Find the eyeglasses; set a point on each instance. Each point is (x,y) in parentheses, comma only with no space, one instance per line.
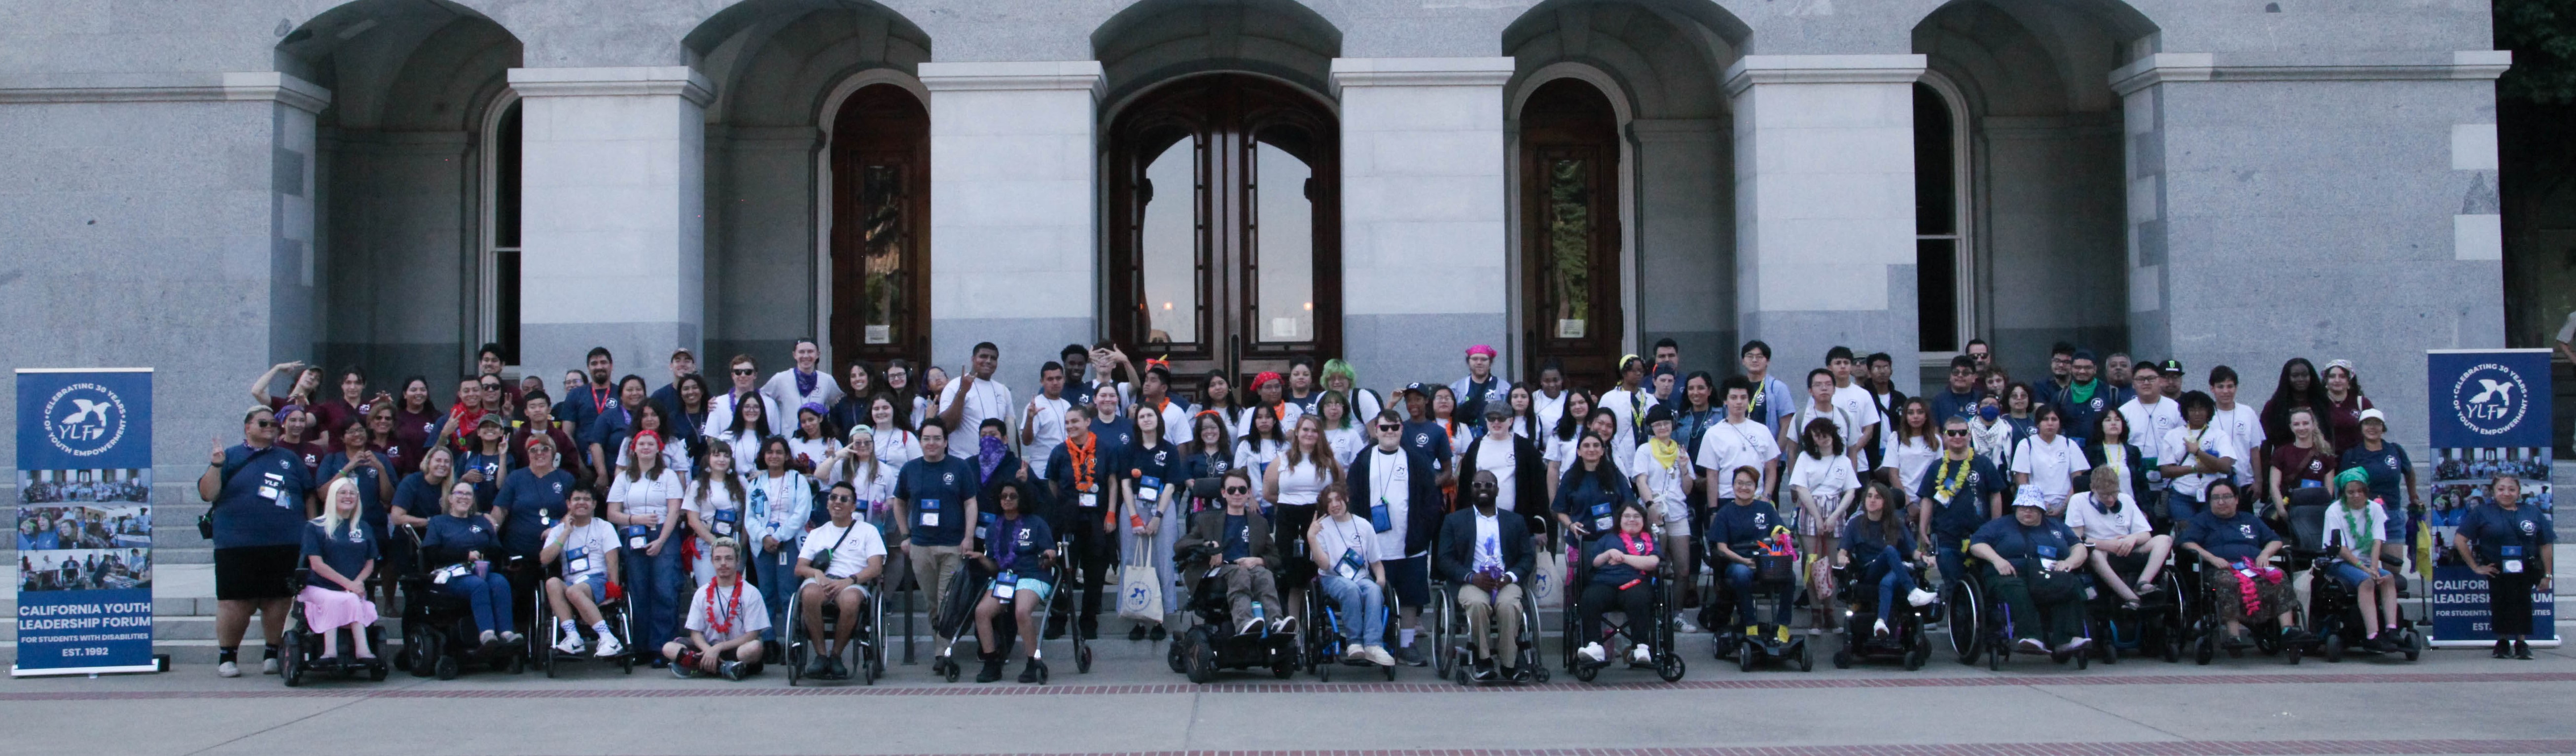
(840,499)
(1237,490)
(1954,433)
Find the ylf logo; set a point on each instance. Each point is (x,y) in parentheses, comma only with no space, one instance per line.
(2490,398)
(84,419)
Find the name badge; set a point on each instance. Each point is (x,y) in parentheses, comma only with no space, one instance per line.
(577,561)
(2513,566)
(1004,585)
(2511,551)
(2047,551)
(929,513)
(1090,499)
(447,573)
(272,488)
(1601,516)
(638,536)
(2310,484)
(725,520)
(1149,488)
(1350,565)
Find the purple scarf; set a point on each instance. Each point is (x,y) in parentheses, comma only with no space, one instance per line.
(989,455)
(805,381)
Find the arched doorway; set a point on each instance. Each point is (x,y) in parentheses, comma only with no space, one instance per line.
(1570,266)
(880,240)
(1225,235)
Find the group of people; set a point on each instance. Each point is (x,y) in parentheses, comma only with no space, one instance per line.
(84,488)
(91,571)
(689,489)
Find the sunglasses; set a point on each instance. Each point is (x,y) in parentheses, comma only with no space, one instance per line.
(1953,433)
(264,423)
(744,371)
(1389,428)
(1237,490)
(840,499)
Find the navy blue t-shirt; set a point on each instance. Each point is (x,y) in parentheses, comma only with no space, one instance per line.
(1946,405)
(2010,539)
(2387,468)
(937,492)
(1739,524)
(374,509)
(418,497)
(1865,539)
(1430,439)
(1019,543)
(347,550)
(261,502)
(534,503)
(1114,436)
(2490,529)
(1161,463)
(1972,486)
(448,538)
(2233,538)
(1238,537)
(1615,574)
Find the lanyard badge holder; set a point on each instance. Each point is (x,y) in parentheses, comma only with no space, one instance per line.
(272,487)
(929,516)
(726,521)
(1004,585)
(1090,497)
(1379,517)
(1149,489)
(447,573)
(984,525)
(577,561)
(2512,559)
(1350,565)
(639,536)
(1601,516)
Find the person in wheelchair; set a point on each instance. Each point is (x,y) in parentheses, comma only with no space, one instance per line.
(1485,553)
(2123,542)
(1348,567)
(340,552)
(1733,531)
(2354,524)
(584,544)
(458,538)
(1877,544)
(2029,548)
(2235,547)
(837,562)
(1244,554)
(1621,560)
(724,637)
(1019,551)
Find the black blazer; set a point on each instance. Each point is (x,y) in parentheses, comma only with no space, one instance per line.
(1423,505)
(2137,468)
(1529,473)
(1456,558)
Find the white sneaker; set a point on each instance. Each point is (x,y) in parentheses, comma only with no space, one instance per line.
(1283,625)
(1354,652)
(1920,597)
(1687,626)
(1878,628)
(1250,625)
(228,669)
(571,645)
(1593,652)
(1377,655)
(609,648)
(268,666)
(1641,654)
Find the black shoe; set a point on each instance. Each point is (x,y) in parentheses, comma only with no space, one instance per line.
(1411,657)
(992,671)
(1136,633)
(1055,626)
(832,665)
(1156,633)
(2378,644)
(1091,628)
(2522,649)
(1484,669)
(819,667)
(2503,648)
(1029,672)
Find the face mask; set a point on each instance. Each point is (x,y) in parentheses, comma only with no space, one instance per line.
(1989,412)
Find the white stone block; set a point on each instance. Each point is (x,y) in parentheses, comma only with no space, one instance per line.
(2477,237)
(1823,286)
(2473,147)
(2146,292)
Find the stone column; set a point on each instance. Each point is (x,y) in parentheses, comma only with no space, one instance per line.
(2314,206)
(1013,211)
(1685,258)
(1424,219)
(613,203)
(1824,205)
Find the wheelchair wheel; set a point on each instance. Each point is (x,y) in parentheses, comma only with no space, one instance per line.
(1806,658)
(445,667)
(1202,663)
(1745,653)
(797,652)
(2334,648)
(1082,659)
(1842,658)
(2204,650)
(1965,632)
(1669,665)
(1585,672)
(2414,644)
(1444,603)
(1178,659)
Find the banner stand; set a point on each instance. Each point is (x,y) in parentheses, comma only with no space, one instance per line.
(84,523)
(2490,416)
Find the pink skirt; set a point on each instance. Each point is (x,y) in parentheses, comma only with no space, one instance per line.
(326,609)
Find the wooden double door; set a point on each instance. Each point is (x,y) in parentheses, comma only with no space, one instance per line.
(1225,235)
(880,239)
(1570,236)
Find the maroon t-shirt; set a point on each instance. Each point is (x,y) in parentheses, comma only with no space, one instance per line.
(2301,468)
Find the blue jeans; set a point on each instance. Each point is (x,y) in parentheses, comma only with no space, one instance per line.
(1739,577)
(2180,509)
(1362,606)
(1887,568)
(490,595)
(653,591)
(777,582)
(1953,562)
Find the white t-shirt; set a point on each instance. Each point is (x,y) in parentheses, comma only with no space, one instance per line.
(817,451)
(1256,454)
(2213,441)
(586,550)
(720,417)
(2245,425)
(746,617)
(1826,480)
(1346,443)
(675,457)
(2051,465)
(863,543)
(2085,514)
(1862,406)
(896,446)
(2151,422)
(1628,407)
(1850,424)
(1500,458)
(1549,411)
(2376,520)
(647,496)
(988,398)
(1727,446)
(1909,460)
(1048,429)
(1391,481)
(716,499)
(781,390)
(1338,536)
(1663,484)
(2567,333)
(1559,450)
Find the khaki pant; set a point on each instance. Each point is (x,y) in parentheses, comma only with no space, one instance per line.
(1481,613)
(936,567)
(1244,585)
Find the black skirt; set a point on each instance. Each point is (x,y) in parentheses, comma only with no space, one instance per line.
(2509,602)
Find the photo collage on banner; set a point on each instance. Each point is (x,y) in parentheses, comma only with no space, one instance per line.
(84,522)
(2490,417)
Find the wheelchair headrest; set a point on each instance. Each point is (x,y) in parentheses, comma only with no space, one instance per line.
(1207,488)
(2308,517)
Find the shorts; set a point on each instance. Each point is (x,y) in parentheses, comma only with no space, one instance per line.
(862,588)
(2127,567)
(1026,584)
(1815,518)
(598,588)
(256,573)
(1410,578)
(2395,532)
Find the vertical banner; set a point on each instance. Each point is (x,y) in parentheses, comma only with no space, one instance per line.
(84,522)
(2490,417)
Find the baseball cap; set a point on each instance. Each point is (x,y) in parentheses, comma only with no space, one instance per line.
(1416,388)
(2170,367)
(2374,414)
